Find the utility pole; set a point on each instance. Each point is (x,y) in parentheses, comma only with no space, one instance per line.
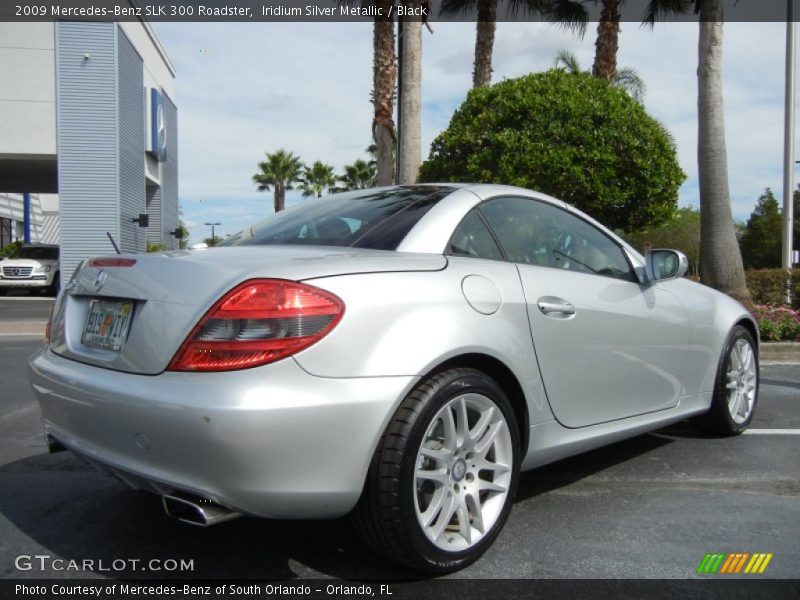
(788,153)
(213,237)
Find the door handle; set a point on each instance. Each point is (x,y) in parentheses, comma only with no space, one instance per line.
(556,307)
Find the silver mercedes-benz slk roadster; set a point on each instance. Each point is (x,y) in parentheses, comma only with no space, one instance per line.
(398,353)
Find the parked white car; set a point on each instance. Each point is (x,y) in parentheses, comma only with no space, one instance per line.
(34,268)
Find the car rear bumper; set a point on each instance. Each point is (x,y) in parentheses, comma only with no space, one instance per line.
(272,441)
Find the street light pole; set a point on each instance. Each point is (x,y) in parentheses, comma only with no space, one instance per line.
(213,236)
(788,152)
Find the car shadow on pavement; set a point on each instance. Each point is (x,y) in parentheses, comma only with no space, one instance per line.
(570,470)
(71,511)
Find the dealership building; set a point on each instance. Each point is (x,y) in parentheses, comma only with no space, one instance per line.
(88,138)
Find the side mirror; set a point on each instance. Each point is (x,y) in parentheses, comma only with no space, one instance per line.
(662,264)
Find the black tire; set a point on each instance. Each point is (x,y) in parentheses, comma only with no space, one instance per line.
(718,420)
(386,515)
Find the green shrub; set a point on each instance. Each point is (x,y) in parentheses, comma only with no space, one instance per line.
(10,250)
(155,247)
(570,135)
(767,286)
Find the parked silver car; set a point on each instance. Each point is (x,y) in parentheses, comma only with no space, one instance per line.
(399,353)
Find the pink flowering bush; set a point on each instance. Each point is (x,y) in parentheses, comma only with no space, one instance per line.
(777,323)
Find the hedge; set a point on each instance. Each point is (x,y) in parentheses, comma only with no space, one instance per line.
(767,286)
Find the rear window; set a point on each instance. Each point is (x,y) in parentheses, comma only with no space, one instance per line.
(373,219)
(38,252)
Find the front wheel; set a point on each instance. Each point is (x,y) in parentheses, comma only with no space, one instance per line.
(736,389)
(443,478)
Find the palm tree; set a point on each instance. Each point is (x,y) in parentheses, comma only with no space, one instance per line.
(280,171)
(720,257)
(607,42)
(627,79)
(384,71)
(409,151)
(317,178)
(570,14)
(357,176)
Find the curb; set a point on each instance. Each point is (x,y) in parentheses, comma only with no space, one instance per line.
(780,353)
(23,328)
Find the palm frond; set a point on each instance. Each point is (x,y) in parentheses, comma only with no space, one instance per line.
(569,14)
(659,10)
(527,7)
(630,81)
(457,7)
(567,61)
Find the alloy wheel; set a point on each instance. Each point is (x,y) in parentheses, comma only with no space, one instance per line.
(463,472)
(741,381)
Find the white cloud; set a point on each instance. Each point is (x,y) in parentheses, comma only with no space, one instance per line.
(247,88)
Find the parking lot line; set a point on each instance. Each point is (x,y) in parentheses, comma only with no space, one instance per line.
(771,432)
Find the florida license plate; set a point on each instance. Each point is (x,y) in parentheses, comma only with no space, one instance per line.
(107,324)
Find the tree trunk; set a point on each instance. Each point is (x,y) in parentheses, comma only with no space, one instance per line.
(720,258)
(484,43)
(607,43)
(384,73)
(280,197)
(410,150)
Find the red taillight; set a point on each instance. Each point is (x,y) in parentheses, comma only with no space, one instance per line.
(258,322)
(112,262)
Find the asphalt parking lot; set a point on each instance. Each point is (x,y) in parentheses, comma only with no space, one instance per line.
(649,507)
(20,306)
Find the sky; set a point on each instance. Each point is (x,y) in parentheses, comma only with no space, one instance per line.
(244,89)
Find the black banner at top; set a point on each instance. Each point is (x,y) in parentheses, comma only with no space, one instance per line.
(368,10)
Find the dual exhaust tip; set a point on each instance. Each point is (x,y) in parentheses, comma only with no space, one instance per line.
(197,511)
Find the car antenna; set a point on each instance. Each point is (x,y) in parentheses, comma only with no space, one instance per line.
(113,243)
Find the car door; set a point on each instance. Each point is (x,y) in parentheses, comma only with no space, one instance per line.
(608,347)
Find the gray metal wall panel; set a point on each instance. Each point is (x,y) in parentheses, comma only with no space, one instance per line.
(131,144)
(155,234)
(170,212)
(87,127)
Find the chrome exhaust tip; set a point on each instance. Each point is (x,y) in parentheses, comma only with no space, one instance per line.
(197,511)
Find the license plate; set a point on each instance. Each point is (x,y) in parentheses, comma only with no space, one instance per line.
(107,324)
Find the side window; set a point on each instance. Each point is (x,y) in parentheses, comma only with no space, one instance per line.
(472,238)
(538,233)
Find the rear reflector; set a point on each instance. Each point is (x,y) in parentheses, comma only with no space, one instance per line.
(258,322)
(112,262)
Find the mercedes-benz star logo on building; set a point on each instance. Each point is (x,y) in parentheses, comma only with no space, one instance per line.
(162,131)
(100,279)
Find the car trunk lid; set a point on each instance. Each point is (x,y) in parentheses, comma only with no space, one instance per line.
(150,303)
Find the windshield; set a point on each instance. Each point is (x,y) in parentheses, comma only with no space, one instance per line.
(38,252)
(375,219)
